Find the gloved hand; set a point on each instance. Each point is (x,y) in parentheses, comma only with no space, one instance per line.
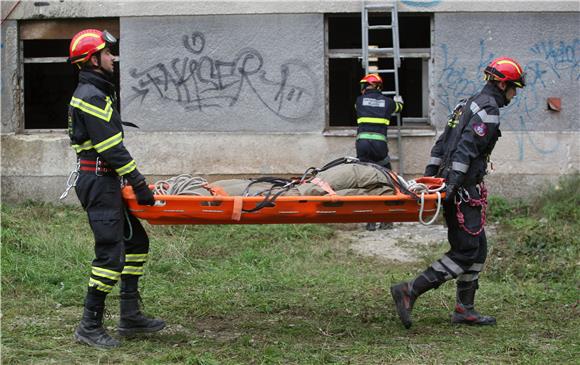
(143,194)
(140,188)
(450,193)
(431,170)
(398,99)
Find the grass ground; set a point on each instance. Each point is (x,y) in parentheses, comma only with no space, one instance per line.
(293,294)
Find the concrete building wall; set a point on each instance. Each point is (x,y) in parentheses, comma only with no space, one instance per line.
(227,73)
(537,144)
(262,110)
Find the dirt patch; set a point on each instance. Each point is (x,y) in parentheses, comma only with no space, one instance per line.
(404,242)
(401,243)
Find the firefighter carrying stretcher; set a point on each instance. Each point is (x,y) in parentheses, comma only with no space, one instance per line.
(460,155)
(96,133)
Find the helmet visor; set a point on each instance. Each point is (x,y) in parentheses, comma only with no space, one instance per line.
(522,81)
(108,37)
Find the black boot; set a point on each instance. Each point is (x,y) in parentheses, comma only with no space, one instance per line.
(132,321)
(91,330)
(464,308)
(404,294)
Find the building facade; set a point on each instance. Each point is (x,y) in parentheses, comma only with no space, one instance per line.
(252,88)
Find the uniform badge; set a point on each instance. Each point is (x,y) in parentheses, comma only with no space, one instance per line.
(480,129)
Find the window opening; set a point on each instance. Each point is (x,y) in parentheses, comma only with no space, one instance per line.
(345,67)
(48,79)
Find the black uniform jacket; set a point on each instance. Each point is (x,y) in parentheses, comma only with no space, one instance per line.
(94,124)
(374,110)
(462,151)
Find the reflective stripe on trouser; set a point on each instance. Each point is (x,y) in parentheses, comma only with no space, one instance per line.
(373,136)
(101,197)
(468,253)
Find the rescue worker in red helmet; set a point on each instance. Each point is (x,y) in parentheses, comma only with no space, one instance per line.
(460,155)
(374,110)
(121,243)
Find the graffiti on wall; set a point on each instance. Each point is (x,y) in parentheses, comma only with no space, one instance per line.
(550,60)
(199,82)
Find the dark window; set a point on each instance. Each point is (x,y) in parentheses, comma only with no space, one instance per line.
(346,69)
(48,79)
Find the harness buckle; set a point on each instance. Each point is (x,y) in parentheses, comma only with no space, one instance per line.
(98,166)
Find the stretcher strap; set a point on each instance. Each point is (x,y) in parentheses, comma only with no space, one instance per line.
(237,209)
(324,185)
(215,190)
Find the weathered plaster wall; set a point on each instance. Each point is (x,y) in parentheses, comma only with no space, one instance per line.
(535,141)
(10,99)
(254,135)
(259,73)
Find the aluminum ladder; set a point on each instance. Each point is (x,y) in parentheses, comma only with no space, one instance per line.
(375,53)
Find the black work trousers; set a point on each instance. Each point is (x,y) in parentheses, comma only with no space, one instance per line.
(121,243)
(467,251)
(370,150)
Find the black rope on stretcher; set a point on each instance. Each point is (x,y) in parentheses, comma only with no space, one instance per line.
(283,184)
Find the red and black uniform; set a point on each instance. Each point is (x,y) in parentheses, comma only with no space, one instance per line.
(96,133)
(374,111)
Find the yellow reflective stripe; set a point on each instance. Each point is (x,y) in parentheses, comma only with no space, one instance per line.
(398,107)
(109,274)
(104,114)
(373,136)
(127,168)
(373,120)
(133,270)
(87,145)
(511,63)
(93,35)
(136,257)
(100,286)
(109,142)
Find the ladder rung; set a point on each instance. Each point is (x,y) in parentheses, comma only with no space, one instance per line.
(377,27)
(378,6)
(385,71)
(389,93)
(380,50)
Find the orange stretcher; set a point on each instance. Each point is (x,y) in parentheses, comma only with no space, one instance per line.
(223,209)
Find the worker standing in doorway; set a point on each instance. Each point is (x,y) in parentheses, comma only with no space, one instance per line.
(373,111)
(460,155)
(121,243)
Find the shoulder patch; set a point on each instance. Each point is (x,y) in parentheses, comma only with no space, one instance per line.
(480,129)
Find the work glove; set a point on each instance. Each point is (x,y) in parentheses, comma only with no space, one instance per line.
(140,188)
(143,194)
(398,99)
(453,182)
(450,193)
(431,170)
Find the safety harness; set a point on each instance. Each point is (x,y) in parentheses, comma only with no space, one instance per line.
(463,197)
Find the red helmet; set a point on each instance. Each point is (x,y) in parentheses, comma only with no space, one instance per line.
(373,79)
(506,69)
(87,42)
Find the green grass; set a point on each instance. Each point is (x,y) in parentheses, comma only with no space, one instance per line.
(293,294)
